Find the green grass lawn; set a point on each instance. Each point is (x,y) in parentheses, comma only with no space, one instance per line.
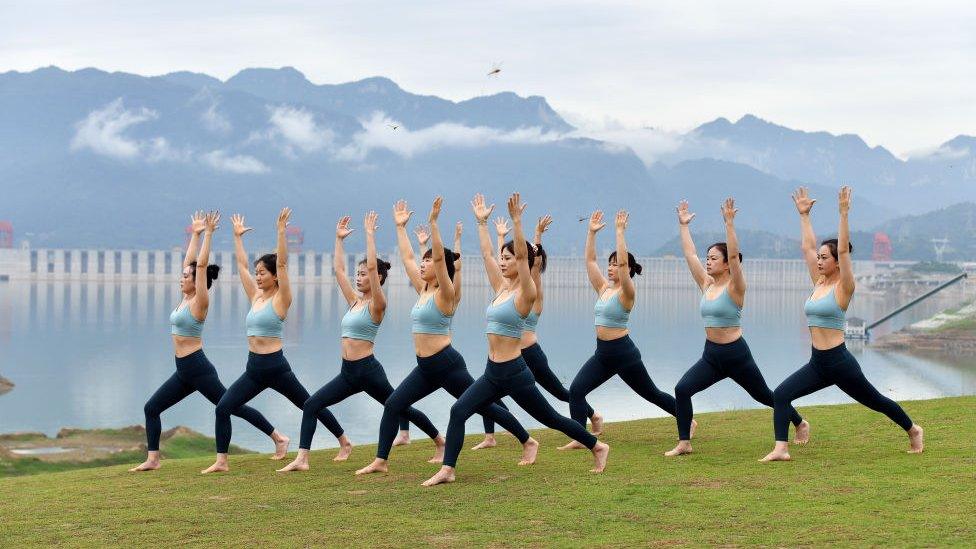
(853,485)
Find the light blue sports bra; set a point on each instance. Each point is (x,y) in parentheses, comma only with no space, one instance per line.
(264,322)
(531,321)
(720,312)
(825,312)
(610,312)
(183,323)
(426,318)
(504,319)
(358,324)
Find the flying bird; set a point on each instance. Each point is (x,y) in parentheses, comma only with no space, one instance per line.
(495,70)
(393,127)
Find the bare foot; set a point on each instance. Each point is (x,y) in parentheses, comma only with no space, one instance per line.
(694,427)
(378,466)
(438,450)
(345,448)
(600,454)
(402,438)
(489,442)
(683,447)
(573,445)
(802,433)
(915,438)
(529,451)
(219,466)
(299,464)
(445,475)
(780,453)
(596,424)
(148,465)
(281,445)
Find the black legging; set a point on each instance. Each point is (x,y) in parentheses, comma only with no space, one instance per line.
(511,378)
(443,370)
(838,367)
(193,373)
(719,361)
(269,371)
(538,364)
(615,357)
(356,376)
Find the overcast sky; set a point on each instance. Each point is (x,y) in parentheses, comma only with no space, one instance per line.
(900,74)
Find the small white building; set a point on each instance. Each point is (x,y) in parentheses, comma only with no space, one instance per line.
(856,328)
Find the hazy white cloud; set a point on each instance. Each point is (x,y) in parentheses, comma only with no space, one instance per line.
(650,144)
(211,117)
(296,128)
(378,134)
(102,130)
(234,163)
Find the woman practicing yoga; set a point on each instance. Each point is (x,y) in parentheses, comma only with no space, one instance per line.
(615,353)
(438,364)
(532,352)
(726,354)
(830,363)
(506,372)
(360,372)
(269,294)
(193,371)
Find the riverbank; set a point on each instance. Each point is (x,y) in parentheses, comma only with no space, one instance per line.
(951,332)
(853,485)
(34,453)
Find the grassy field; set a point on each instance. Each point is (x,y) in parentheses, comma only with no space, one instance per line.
(853,485)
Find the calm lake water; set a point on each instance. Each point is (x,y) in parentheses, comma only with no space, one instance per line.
(89,354)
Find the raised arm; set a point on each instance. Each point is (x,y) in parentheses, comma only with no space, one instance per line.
(202,300)
(196,227)
(378,298)
(593,270)
(457,264)
(808,241)
(481,214)
(526,296)
(501,231)
(737,280)
(846,285)
(623,263)
(688,246)
(540,227)
(282,298)
(240,256)
(423,237)
(339,261)
(400,217)
(445,286)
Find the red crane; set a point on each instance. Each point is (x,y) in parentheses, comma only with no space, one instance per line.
(882,247)
(6,234)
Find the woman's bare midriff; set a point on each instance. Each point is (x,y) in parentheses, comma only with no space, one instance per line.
(355,349)
(426,345)
(825,338)
(528,339)
(185,346)
(503,349)
(605,333)
(263,345)
(723,335)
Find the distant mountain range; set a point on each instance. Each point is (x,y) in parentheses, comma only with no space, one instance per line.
(96,159)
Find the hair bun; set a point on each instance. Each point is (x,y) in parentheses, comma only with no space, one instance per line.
(638,268)
(456,256)
(213,271)
(384,265)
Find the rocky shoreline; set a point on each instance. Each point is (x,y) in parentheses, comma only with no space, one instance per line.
(951,332)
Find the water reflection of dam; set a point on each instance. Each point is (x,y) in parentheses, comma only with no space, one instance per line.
(316,268)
